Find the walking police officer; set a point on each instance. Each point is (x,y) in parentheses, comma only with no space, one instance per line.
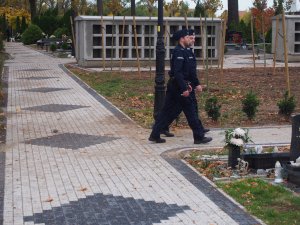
(178,94)
(193,73)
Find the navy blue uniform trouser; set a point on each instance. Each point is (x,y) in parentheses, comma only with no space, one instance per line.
(195,104)
(174,104)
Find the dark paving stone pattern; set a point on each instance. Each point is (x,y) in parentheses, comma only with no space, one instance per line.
(37,78)
(234,211)
(34,70)
(55,108)
(46,90)
(70,140)
(107,210)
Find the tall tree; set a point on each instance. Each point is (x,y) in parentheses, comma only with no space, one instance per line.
(100,7)
(233,12)
(280,5)
(199,9)
(23,24)
(32,4)
(18,25)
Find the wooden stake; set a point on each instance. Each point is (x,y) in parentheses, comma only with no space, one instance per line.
(276,45)
(263,34)
(220,43)
(102,38)
(202,42)
(123,32)
(136,47)
(112,43)
(253,50)
(222,53)
(186,22)
(286,55)
(73,34)
(149,38)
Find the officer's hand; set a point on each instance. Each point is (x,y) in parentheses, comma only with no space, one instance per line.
(199,88)
(185,93)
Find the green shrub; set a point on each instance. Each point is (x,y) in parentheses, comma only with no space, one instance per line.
(287,105)
(31,34)
(53,47)
(250,104)
(212,108)
(64,46)
(60,31)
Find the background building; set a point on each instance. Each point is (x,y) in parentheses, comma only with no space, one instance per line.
(89,50)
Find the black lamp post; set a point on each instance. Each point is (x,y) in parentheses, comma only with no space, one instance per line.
(160,63)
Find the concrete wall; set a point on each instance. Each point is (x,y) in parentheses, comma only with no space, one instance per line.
(293,38)
(89,51)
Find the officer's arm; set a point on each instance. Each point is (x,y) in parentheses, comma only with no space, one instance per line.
(179,61)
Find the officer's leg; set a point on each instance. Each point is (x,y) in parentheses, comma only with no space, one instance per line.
(191,116)
(194,100)
(166,115)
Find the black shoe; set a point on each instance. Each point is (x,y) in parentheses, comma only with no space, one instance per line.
(167,133)
(203,140)
(205,130)
(157,140)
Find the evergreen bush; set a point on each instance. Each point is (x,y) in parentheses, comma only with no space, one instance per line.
(287,105)
(31,35)
(212,108)
(250,104)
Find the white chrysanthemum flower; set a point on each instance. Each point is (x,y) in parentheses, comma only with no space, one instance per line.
(237,141)
(239,132)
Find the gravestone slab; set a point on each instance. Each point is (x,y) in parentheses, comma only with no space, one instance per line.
(295,142)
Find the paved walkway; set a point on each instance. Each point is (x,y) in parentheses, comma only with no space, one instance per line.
(72,158)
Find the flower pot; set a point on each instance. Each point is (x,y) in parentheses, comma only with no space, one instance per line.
(234,152)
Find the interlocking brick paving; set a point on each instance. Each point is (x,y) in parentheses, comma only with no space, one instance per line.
(71,157)
(107,209)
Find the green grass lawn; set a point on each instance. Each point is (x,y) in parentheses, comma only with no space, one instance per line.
(273,204)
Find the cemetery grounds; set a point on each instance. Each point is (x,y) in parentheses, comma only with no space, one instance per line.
(133,94)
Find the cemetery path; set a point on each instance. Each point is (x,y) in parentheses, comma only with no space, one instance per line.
(72,158)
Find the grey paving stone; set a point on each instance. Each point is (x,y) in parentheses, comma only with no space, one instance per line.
(70,141)
(55,108)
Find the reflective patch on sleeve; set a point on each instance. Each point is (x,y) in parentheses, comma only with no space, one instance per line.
(180,57)
(191,57)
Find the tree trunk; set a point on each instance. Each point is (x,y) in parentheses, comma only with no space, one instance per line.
(32,4)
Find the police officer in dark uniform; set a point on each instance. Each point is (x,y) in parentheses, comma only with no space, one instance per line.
(194,79)
(178,94)
(195,84)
